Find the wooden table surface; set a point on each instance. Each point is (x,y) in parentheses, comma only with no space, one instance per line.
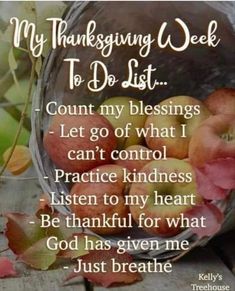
(22,196)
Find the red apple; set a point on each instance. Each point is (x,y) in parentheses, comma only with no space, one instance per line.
(214,139)
(77,152)
(176,141)
(165,199)
(98,189)
(221,101)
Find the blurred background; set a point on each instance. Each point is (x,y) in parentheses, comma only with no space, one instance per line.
(15,67)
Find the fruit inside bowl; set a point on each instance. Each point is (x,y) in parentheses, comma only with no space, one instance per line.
(154,193)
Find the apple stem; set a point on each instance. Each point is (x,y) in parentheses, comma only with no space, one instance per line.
(227,136)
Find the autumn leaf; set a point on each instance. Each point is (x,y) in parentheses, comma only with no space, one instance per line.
(20,160)
(27,239)
(22,231)
(81,247)
(38,256)
(108,278)
(6,268)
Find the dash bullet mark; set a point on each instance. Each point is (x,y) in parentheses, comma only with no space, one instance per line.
(66,267)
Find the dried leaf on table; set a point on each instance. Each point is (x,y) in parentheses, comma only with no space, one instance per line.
(21,234)
(27,239)
(38,256)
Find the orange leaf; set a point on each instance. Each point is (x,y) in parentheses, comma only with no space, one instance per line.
(20,160)
(108,277)
(22,231)
(27,239)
